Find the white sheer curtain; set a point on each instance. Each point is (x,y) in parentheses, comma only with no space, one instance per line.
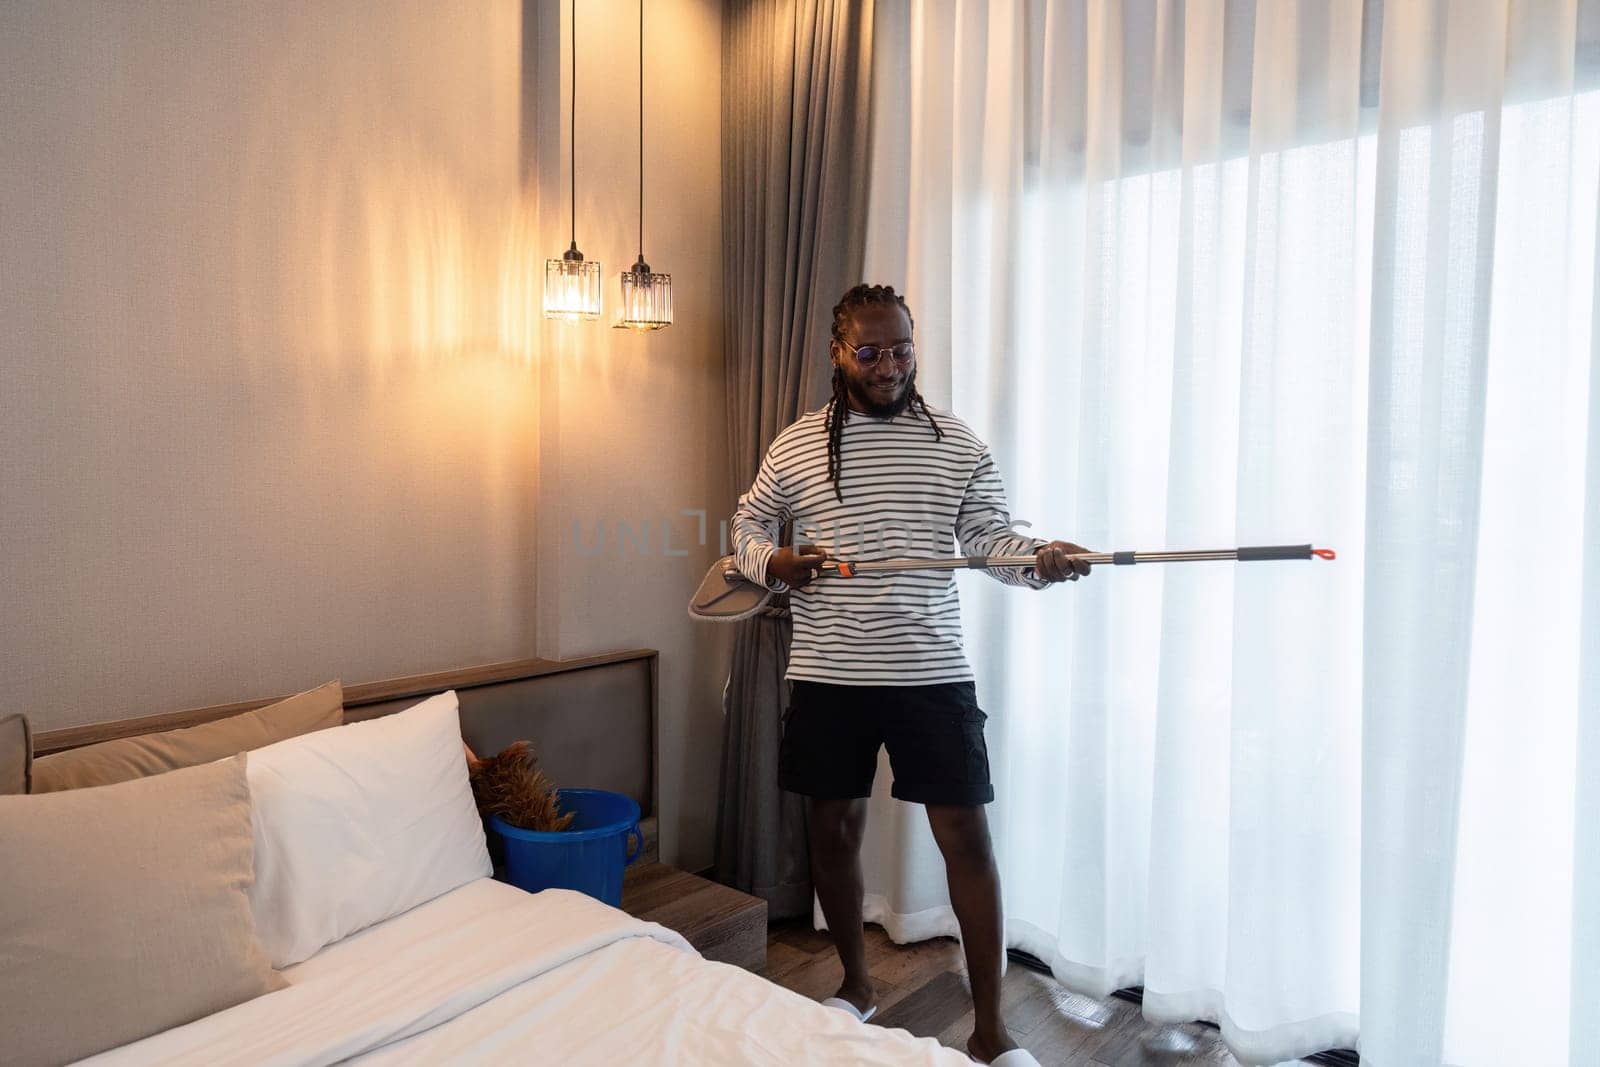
(1233,272)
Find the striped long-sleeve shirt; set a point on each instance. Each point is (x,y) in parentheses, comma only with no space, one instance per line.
(905,493)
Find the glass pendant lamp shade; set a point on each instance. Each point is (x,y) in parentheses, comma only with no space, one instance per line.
(646,299)
(572,287)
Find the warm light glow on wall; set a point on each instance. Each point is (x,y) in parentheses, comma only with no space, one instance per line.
(418,272)
(518,318)
(422,267)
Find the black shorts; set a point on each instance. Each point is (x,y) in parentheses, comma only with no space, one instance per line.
(934,734)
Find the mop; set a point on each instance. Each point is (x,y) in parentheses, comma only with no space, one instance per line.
(726,595)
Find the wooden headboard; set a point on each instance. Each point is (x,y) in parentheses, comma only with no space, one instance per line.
(592,720)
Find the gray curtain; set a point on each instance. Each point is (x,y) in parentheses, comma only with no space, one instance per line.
(795,122)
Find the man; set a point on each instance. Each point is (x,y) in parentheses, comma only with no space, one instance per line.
(875,660)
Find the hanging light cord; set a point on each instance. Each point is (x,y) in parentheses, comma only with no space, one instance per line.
(573,160)
(641,131)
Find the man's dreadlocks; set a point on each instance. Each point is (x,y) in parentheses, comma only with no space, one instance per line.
(839,407)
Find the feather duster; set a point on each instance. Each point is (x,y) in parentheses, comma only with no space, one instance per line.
(511,785)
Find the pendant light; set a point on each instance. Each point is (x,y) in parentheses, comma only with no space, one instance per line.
(572,283)
(646,296)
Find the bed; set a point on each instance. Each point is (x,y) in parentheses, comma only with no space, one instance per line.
(487,973)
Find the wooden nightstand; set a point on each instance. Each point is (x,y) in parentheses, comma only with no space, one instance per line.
(722,923)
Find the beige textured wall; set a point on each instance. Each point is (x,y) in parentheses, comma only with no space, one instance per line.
(276,402)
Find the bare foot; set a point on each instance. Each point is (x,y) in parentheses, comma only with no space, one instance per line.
(861,994)
(985,1044)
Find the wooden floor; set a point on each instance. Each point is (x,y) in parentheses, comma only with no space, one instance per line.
(923,988)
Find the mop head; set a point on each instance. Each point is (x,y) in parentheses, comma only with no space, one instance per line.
(719,600)
(511,785)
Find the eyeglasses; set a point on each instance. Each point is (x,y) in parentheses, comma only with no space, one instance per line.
(867,355)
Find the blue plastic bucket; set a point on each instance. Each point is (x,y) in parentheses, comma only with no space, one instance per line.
(588,856)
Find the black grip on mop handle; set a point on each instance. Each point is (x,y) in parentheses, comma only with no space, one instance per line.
(1274,552)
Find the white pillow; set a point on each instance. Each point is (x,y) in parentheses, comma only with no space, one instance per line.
(359,823)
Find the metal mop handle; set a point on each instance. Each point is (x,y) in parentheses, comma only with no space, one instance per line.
(845,569)
(1118,559)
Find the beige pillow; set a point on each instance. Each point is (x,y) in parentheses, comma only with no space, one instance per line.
(124,911)
(137,757)
(16,754)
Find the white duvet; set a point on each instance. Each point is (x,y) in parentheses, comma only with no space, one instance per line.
(490,974)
